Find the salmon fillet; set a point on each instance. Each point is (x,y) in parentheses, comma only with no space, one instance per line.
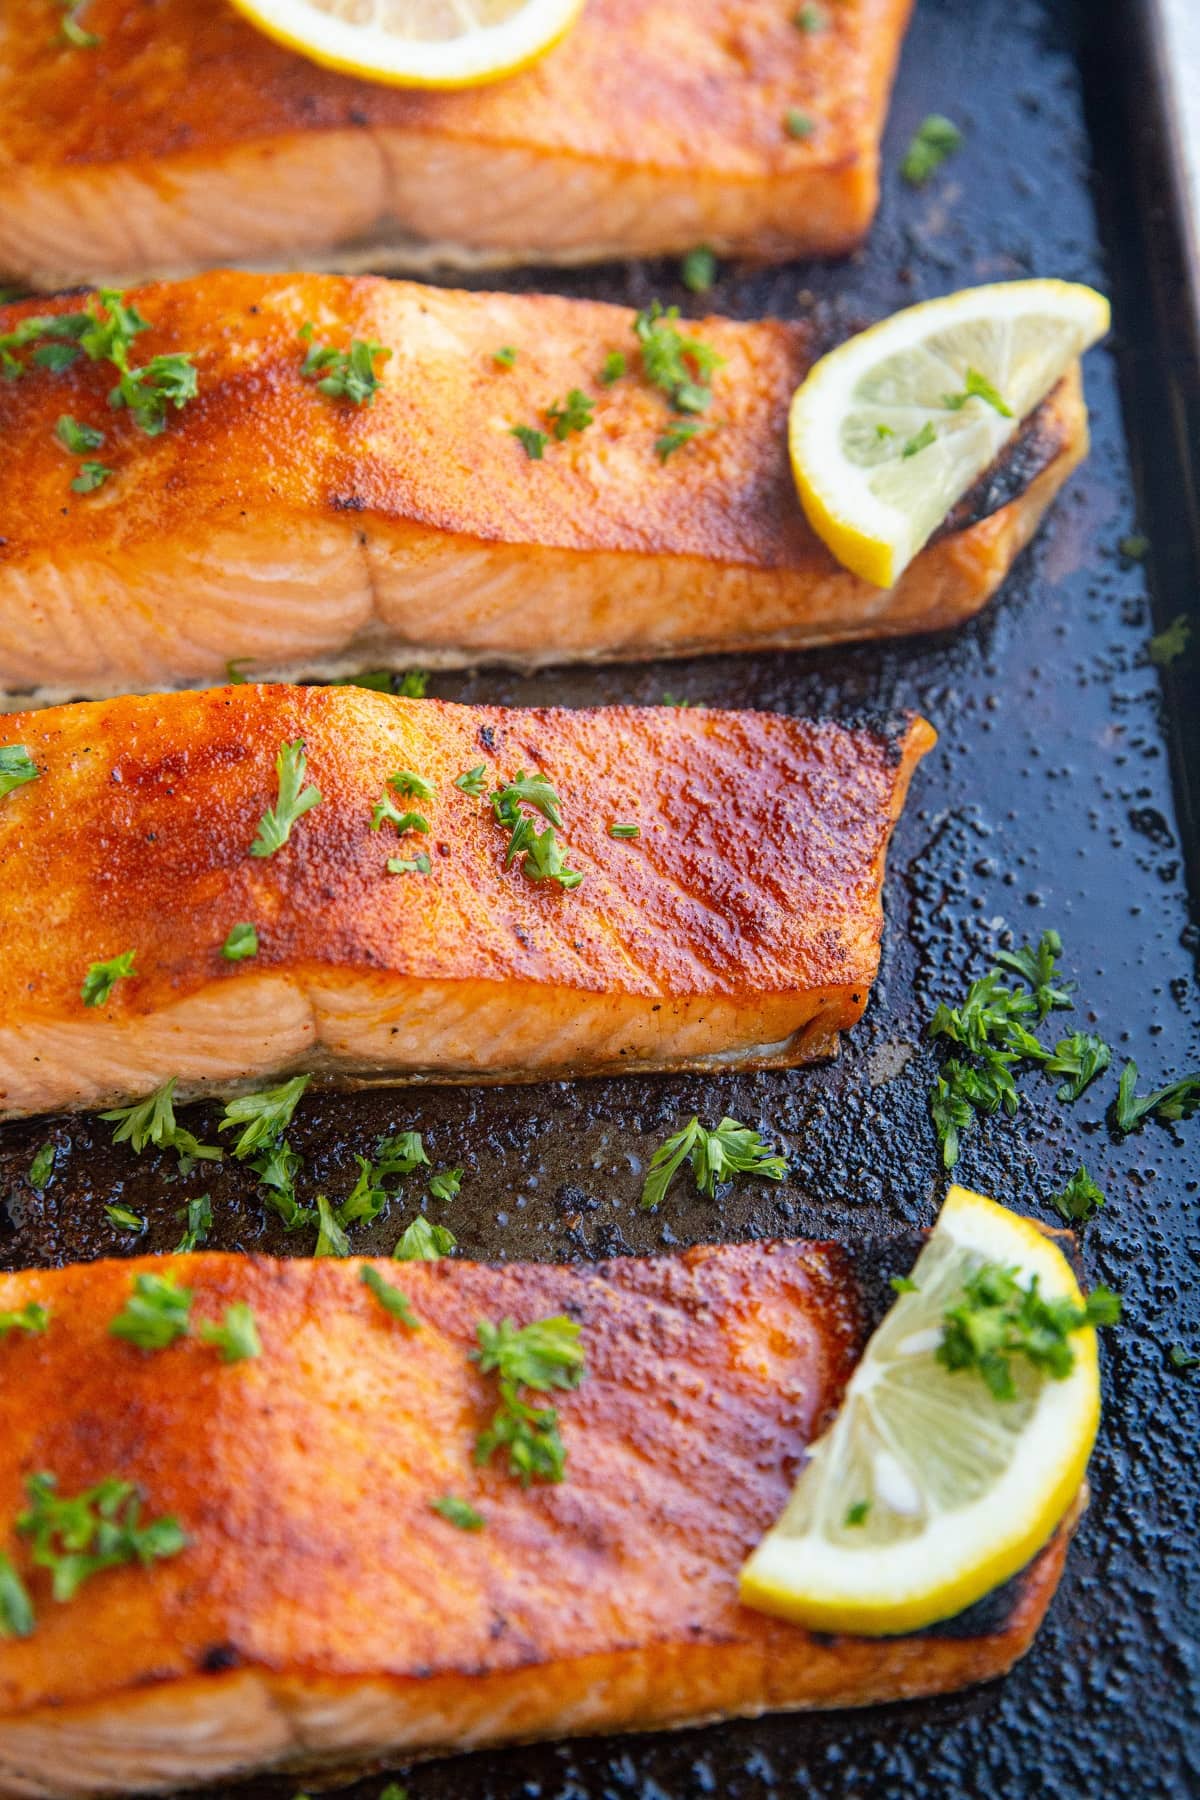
(187,138)
(742,927)
(322,1616)
(308,535)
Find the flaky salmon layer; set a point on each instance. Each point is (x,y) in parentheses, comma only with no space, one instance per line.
(322,1615)
(186,138)
(741,926)
(307,536)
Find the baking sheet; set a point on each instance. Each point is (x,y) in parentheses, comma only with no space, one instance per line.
(1062,793)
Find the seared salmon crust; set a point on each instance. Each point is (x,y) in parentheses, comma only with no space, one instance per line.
(741,927)
(304,536)
(185,138)
(323,1616)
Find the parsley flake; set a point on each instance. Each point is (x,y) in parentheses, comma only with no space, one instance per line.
(152,1121)
(935,139)
(98,1529)
(457,1512)
(386,812)
(505,357)
(572,414)
(413,787)
(624,831)
(446,1184)
(614,367)
(919,441)
(998,1319)
(294,800)
(698,270)
(1179,1100)
(16,768)
(91,476)
(716,1156)
(1171,643)
(389,1297)
(810,19)
(75,437)
(473,781)
(125,1219)
(42,1167)
(797,123)
(72,31)
(1080,1198)
(1181,1359)
(1080,1057)
(424,1242)
(241,942)
(199,1215)
(678,434)
(32,1318)
(344,374)
(541,1356)
(409,865)
(236,1338)
(265,1115)
(977,387)
(102,978)
(331,1239)
(857,1514)
(532,441)
(680,366)
(156,1314)
(16,1608)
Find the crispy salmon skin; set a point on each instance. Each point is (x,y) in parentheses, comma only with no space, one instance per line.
(741,926)
(323,1616)
(185,138)
(306,535)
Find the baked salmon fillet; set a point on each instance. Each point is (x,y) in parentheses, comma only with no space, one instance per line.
(307,535)
(741,927)
(322,1616)
(186,138)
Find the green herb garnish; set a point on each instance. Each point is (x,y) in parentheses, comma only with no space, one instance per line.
(152,1121)
(797,123)
(236,1337)
(294,800)
(98,1529)
(446,1184)
(125,1219)
(1182,1359)
(1171,643)
(344,374)
(935,139)
(680,366)
(389,1297)
(716,1156)
(16,1608)
(409,865)
(241,943)
(72,31)
(505,357)
(424,1242)
(919,441)
(698,270)
(997,1319)
(541,1356)
(572,414)
(532,441)
(679,433)
(331,1239)
(457,1512)
(412,787)
(33,1317)
(156,1314)
(102,978)
(473,781)
(199,1215)
(265,1115)
(77,438)
(1080,1057)
(42,1167)
(857,1514)
(614,367)
(16,768)
(1079,1199)
(624,831)
(977,387)
(91,476)
(1179,1100)
(810,19)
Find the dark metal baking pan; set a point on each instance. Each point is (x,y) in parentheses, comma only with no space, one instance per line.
(1063,792)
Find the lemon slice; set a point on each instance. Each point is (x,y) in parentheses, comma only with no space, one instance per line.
(417,43)
(890,429)
(927,1492)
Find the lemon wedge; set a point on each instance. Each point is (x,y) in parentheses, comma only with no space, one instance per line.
(890,429)
(417,43)
(928,1491)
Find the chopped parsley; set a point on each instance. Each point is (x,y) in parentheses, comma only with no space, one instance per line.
(148,391)
(409,865)
(54,338)
(32,1318)
(572,414)
(265,1115)
(241,942)
(199,1215)
(413,787)
(125,1219)
(505,356)
(1171,643)
(797,123)
(624,831)
(473,781)
(16,768)
(389,1297)
(990,1026)
(1179,1100)
(236,1337)
(331,1239)
(698,270)
(679,433)
(935,139)
(234,668)
(457,1512)
(1134,547)
(410,684)
(156,1314)
(424,1242)
(615,364)
(532,441)
(540,851)
(542,1356)
(294,800)
(1079,1199)
(530,790)
(997,1319)
(446,1184)
(343,374)
(977,387)
(857,1514)
(810,19)
(919,441)
(680,366)
(91,476)
(42,1167)
(16,1608)
(903,1284)
(72,31)
(102,978)
(731,1149)
(277,1169)
(1080,1057)
(1181,1359)
(77,438)
(386,812)
(152,1121)
(98,1529)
